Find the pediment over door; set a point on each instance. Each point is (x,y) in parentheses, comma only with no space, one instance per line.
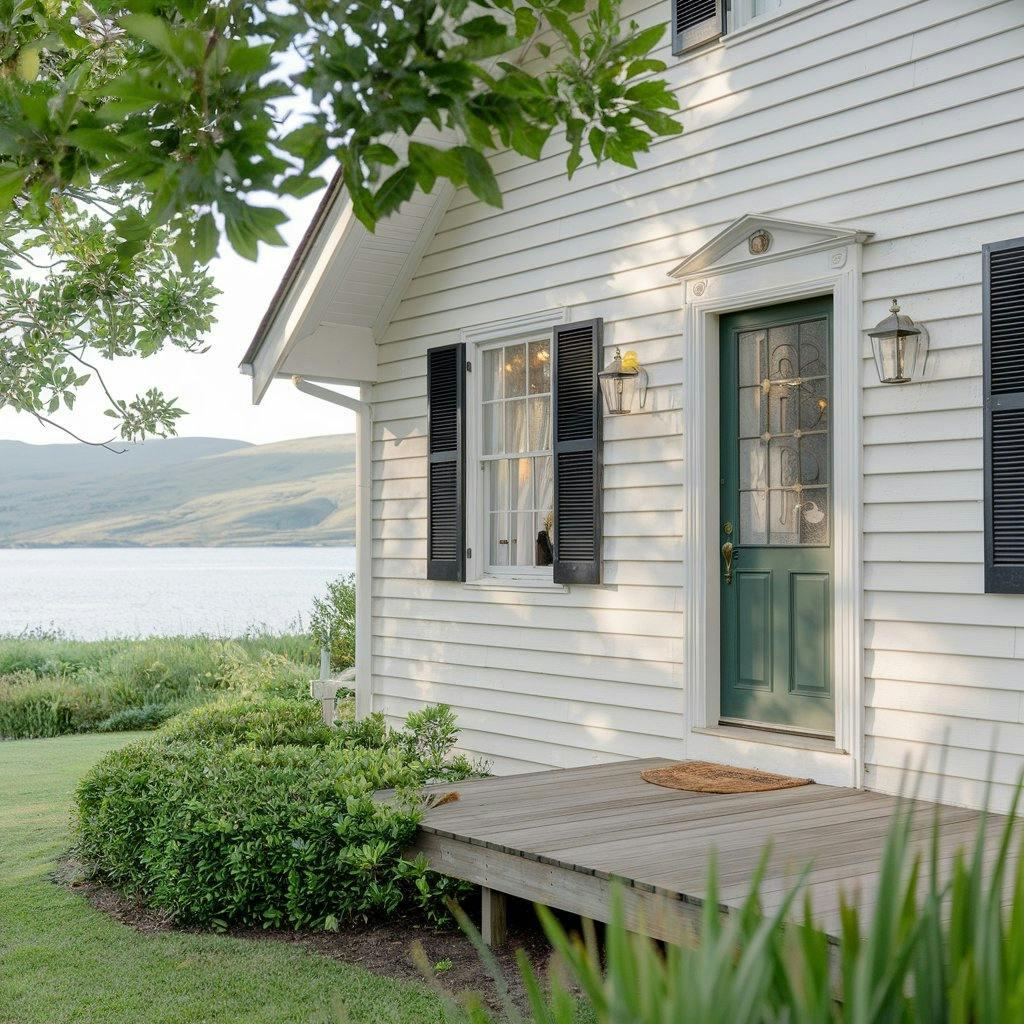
(755,239)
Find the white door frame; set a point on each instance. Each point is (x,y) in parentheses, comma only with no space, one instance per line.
(726,275)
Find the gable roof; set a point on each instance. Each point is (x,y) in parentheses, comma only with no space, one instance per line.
(343,283)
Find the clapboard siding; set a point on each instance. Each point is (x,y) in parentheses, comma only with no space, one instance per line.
(901,117)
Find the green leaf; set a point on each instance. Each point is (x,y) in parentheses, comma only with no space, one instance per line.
(483,27)
(640,67)
(184,252)
(12,180)
(131,225)
(643,42)
(659,123)
(619,151)
(301,185)
(206,238)
(651,93)
(396,189)
(378,153)
(242,237)
(528,139)
(250,60)
(479,175)
(526,22)
(304,140)
(153,30)
(562,25)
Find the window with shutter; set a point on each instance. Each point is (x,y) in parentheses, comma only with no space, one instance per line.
(1003,342)
(576,443)
(695,22)
(446,471)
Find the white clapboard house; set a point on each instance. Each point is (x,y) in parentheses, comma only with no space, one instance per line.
(764,537)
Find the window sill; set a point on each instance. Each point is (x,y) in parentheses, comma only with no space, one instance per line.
(518,583)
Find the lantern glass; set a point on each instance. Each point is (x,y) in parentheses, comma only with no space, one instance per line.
(895,357)
(900,347)
(619,387)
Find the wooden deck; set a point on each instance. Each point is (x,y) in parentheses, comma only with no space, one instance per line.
(560,837)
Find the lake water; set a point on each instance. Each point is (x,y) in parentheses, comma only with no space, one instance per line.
(90,593)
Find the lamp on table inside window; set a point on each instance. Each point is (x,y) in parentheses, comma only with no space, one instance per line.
(620,380)
(900,347)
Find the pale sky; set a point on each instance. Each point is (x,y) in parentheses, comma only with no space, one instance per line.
(216,396)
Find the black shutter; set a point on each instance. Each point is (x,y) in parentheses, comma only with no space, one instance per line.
(1003,347)
(576,429)
(695,22)
(446,463)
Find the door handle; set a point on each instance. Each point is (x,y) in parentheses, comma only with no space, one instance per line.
(727,556)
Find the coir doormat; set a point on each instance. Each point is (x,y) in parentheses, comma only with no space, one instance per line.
(705,777)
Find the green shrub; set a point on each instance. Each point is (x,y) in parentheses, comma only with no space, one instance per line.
(149,716)
(253,813)
(333,622)
(262,723)
(270,674)
(299,648)
(31,708)
(53,656)
(426,738)
(49,687)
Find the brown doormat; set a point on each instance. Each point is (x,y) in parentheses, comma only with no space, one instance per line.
(705,777)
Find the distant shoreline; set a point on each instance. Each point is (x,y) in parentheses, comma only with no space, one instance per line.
(342,542)
(179,493)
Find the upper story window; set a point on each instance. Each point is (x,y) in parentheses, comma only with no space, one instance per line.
(513,427)
(695,22)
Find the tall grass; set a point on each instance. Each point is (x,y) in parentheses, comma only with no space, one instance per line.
(942,944)
(50,686)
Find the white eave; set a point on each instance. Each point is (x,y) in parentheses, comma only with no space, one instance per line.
(340,292)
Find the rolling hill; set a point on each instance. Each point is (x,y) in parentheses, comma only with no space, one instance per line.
(201,492)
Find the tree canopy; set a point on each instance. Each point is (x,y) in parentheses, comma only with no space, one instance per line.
(130,131)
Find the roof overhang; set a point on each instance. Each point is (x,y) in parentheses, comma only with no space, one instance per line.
(340,291)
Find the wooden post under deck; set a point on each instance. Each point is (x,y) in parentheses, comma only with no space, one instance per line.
(493,916)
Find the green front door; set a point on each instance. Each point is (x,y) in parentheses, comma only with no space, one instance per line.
(776,512)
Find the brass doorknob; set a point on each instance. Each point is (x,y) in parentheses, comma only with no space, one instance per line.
(727,553)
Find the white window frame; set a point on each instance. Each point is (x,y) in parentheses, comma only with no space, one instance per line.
(515,330)
(740,14)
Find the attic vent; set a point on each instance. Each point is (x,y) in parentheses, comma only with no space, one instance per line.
(1003,341)
(695,22)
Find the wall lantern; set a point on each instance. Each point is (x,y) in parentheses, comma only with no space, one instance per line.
(619,381)
(900,347)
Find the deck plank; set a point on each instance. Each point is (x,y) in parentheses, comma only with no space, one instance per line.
(562,836)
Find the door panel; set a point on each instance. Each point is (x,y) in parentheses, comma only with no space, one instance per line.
(754,630)
(776,451)
(809,633)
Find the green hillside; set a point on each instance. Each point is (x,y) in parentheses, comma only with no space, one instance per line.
(203,492)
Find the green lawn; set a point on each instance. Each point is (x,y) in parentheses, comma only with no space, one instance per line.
(61,961)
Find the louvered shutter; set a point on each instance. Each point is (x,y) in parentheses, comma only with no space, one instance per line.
(446,469)
(576,446)
(1003,343)
(695,22)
